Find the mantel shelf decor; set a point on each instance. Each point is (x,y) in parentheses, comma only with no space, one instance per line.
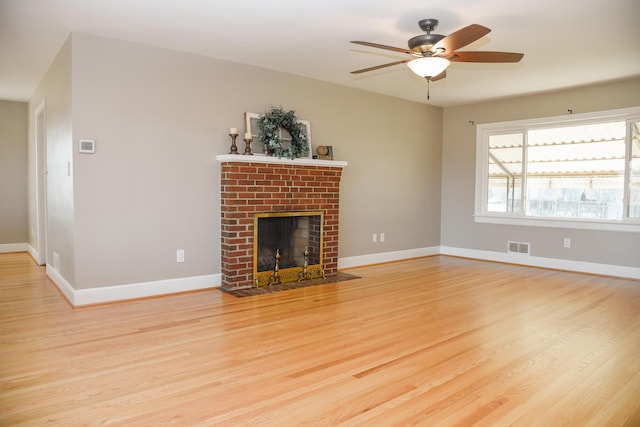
(303,161)
(233,133)
(275,119)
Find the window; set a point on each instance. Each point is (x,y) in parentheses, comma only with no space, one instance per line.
(578,171)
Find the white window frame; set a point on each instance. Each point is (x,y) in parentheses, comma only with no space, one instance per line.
(483,131)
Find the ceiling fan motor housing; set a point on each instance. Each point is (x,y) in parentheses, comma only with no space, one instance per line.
(424,42)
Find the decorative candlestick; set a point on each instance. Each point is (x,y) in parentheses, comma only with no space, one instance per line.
(247,139)
(234,147)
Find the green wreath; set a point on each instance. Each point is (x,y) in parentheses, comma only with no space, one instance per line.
(270,123)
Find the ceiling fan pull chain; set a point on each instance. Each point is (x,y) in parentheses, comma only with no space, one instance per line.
(428,84)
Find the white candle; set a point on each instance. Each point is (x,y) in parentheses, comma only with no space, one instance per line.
(233,131)
(248,135)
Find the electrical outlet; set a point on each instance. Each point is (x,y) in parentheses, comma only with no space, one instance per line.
(374,238)
(567,242)
(381,237)
(180,255)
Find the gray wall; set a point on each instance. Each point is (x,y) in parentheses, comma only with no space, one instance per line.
(159,118)
(458,178)
(13,172)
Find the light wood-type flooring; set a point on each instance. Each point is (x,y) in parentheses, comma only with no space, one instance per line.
(436,341)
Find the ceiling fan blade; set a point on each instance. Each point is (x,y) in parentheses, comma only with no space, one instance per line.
(440,76)
(478,56)
(461,38)
(364,70)
(383,46)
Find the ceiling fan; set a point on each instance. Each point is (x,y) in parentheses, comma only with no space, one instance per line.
(431,54)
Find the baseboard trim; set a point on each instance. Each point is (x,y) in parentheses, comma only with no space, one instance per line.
(35,255)
(362,260)
(61,283)
(20,247)
(14,247)
(105,294)
(534,261)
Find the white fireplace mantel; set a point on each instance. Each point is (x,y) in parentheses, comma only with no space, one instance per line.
(283,161)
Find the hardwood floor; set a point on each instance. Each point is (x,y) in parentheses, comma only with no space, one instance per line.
(437,341)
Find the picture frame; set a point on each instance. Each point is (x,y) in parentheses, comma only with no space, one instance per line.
(252,126)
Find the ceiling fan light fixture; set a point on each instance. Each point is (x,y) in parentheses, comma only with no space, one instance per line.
(429,66)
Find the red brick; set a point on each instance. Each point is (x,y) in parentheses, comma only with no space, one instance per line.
(250,188)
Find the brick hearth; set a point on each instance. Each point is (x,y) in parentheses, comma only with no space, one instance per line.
(259,184)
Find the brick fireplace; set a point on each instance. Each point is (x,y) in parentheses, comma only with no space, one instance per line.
(251,185)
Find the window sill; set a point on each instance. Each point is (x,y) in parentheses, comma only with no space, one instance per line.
(633,227)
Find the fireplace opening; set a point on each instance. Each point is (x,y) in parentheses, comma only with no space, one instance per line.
(287,247)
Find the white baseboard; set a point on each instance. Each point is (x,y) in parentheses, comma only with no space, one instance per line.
(358,261)
(34,254)
(80,297)
(14,247)
(534,261)
(19,247)
(62,284)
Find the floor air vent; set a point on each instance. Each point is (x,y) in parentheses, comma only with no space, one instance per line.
(518,247)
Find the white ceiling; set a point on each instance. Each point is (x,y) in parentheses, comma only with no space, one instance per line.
(566,42)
